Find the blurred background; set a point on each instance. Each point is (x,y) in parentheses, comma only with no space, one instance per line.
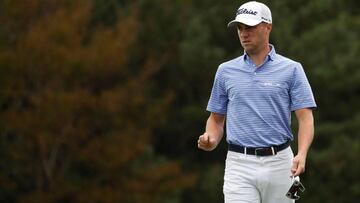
(102,101)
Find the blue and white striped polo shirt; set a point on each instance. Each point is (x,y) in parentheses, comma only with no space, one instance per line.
(258,101)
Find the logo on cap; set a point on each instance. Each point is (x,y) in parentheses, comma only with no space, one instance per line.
(245,11)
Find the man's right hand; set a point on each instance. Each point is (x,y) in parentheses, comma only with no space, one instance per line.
(206,142)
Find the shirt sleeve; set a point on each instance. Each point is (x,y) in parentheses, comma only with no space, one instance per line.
(301,94)
(218,99)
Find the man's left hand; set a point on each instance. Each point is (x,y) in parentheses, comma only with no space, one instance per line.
(298,166)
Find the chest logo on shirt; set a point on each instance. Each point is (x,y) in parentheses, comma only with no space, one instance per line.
(271,84)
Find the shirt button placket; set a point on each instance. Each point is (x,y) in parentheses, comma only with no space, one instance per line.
(254,66)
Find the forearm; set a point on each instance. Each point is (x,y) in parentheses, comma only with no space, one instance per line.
(305,133)
(305,138)
(215,129)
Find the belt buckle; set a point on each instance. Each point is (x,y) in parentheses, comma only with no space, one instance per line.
(259,152)
(264,151)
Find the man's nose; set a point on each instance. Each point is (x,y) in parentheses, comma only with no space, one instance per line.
(243,33)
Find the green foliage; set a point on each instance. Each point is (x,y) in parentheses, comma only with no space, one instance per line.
(75,121)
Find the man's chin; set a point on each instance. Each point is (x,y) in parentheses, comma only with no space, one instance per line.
(248,49)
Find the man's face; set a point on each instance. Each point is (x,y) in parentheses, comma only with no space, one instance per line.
(253,38)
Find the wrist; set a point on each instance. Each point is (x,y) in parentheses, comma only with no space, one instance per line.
(302,153)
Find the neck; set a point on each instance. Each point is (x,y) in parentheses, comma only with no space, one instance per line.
(259,55)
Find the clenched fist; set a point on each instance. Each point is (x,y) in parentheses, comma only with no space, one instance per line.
(206,142)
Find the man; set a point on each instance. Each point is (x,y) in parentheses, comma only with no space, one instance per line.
(256,92)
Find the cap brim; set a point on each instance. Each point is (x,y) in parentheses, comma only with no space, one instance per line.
(249,22)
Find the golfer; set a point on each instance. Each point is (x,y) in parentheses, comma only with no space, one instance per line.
(256,93)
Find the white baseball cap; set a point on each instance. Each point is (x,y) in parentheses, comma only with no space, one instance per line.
(252,13)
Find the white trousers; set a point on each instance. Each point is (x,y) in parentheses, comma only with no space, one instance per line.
(255,179)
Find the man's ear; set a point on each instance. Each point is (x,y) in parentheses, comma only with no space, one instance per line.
(269,27)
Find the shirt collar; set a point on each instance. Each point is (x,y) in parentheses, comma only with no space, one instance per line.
(271,55)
